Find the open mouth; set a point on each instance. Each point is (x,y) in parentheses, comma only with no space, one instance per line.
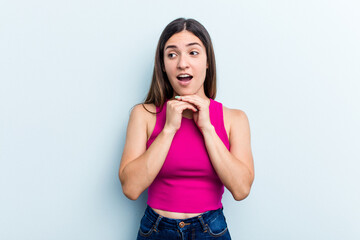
(184,77)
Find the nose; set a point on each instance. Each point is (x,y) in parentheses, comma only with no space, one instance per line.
(183,62)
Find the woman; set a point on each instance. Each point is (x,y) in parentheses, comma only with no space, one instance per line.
(183,145)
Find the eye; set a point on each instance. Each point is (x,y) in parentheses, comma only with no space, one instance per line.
(171,55)
(194,53)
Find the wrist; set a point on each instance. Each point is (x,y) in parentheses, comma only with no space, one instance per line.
(208,129)
(168,131)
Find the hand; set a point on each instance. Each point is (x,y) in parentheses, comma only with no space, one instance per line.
(174,110)
(202,116)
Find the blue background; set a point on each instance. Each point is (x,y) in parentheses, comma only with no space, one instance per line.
(70,71)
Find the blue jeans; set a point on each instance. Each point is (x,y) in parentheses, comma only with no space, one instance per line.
(208,225)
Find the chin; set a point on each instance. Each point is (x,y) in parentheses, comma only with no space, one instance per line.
(184,93)
(187,91)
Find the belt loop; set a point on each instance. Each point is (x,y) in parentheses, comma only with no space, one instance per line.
(203,225)
(157,223)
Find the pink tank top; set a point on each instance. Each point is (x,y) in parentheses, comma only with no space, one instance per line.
(187,182)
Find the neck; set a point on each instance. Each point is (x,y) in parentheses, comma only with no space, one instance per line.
(202,95)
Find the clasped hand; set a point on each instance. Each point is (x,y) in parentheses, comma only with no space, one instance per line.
(198,105)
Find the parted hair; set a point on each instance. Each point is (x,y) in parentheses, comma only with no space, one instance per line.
(160,88)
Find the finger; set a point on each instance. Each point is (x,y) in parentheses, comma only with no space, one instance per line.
(195,98)
(179,106)
(176,103)
(198,102)
(179,102)
(185,105)
(188,106)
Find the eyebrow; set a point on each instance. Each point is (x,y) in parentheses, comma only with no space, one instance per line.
(189,44)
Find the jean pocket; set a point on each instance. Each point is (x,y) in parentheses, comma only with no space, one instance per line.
(217,227)
(146,227)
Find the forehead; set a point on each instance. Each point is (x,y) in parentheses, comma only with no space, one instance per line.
(182,39)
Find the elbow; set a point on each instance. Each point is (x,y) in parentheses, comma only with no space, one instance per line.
(130,193)
(131,196)
(241,195)
(242,192)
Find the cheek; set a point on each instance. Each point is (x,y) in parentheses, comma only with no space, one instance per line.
(201,67)
(168,67)
(202,64)
(169,70)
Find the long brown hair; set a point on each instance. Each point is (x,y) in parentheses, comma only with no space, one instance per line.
(160,88)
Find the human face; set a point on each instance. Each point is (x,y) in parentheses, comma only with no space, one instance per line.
(185,63)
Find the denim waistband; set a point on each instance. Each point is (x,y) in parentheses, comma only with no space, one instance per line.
(161,222)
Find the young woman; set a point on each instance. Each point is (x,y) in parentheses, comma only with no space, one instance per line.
(183,145)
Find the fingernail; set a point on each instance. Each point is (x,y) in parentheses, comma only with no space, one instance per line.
(177,97)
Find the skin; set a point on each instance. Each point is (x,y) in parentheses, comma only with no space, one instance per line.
(185,53)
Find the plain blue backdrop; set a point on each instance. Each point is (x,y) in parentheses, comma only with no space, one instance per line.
(70,71)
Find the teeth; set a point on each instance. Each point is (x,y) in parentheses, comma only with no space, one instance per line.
(184,75)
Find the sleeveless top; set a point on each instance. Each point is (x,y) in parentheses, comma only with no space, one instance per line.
(187,181)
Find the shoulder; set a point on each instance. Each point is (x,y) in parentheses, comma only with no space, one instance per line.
(142,112)
(229,111)
(144,116)
(235,113)
(235,117)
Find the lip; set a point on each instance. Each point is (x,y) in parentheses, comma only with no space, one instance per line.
(184,74)
(184,83)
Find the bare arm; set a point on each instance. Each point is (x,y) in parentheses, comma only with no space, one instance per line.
(235,168)
(139,167)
